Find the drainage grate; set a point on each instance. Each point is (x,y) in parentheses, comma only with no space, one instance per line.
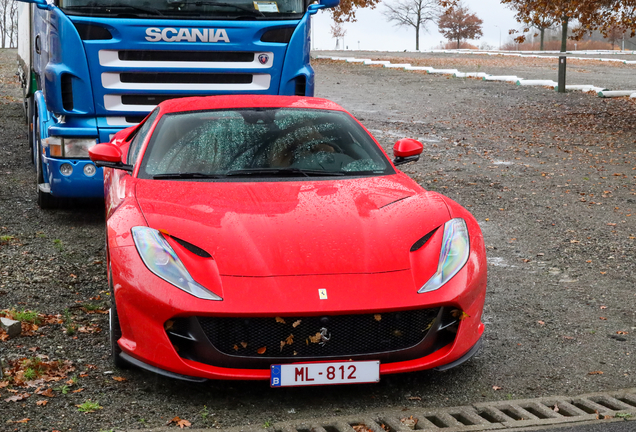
(479,417)
(485,416)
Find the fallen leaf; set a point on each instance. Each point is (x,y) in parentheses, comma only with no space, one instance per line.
(78,390)
(603,307)
(540,322)
(17,397)
(620,332)
(280,320)
(244,344)
(24,420)
(120,379)
(261,350)
(315,338)
(296,323)
(417,398)
(377,317)
(603,318)
(495,388)
(42,402)
(48,392)
(595,373)
(183,423)
(235,347)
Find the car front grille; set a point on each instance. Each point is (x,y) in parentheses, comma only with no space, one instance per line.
(318,336)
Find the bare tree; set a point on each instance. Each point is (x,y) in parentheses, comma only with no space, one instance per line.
(5,8)
(412,13)
(12,31)
(615,34)
(458,23)
(338,31)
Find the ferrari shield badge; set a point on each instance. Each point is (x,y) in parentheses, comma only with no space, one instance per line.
(322,293)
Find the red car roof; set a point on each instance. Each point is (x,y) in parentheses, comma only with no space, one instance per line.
(246,101)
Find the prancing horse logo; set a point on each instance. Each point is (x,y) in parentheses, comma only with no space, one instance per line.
(325,336)
(263,58)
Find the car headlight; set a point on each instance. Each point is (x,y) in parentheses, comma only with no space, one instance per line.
(453,255)
(162,260)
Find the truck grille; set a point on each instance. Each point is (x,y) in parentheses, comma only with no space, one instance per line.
(186,56)
(190,78)
(301,336)
(136,81)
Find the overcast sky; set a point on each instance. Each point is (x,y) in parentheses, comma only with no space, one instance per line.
(373,32)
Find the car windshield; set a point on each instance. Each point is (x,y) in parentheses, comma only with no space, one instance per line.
(191,9)
(272,142)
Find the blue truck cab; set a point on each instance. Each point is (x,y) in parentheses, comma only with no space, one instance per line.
(92,67)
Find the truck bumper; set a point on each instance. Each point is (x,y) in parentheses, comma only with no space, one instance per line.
(77,184)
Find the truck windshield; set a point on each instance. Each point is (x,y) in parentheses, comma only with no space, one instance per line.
(187,9)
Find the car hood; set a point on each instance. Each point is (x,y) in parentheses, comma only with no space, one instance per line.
(286,228)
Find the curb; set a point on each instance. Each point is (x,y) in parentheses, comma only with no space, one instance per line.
(586,88)
(483,416)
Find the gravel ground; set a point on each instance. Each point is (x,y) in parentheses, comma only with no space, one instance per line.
(611,75)
(551,178)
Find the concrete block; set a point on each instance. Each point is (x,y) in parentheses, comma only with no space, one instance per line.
(12,327)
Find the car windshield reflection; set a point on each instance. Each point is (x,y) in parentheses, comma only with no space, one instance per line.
(271,142)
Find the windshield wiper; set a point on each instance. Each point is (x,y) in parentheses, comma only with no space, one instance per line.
(253,12)
(281,171)
(116,6)
(186,175)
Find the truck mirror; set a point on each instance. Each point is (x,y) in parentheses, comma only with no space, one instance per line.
(322,4)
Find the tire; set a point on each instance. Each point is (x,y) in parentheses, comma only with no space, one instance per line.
(115,329)
(45,200)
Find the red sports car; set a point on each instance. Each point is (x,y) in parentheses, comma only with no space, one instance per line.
(257,237)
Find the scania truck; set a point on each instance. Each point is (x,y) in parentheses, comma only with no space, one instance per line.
(92,67)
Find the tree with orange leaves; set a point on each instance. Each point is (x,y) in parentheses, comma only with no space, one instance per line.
(458,23)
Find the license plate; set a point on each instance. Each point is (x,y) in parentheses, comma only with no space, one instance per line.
(306,374)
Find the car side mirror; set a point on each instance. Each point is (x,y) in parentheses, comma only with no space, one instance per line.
(322,4)
(109,156)
(407,150)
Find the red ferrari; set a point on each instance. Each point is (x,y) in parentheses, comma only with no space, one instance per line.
(257,237)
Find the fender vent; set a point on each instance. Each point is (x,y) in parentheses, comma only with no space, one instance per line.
(279,35)
(92,32)
(301,86)
(67,92)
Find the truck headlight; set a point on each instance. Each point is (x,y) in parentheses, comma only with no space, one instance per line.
(77,147)
(72,148)
(453,254)
(162,260)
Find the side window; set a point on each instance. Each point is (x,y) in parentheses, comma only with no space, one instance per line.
(138,140)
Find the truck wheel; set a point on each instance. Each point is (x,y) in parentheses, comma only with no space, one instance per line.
(45,199)
(115,329)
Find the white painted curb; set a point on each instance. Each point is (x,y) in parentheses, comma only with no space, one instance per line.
(544,83)
(600,91)
(507,78)
(615,93)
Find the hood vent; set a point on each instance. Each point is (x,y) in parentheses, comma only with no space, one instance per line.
(421,242)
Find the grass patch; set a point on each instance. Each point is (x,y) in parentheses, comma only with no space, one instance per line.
(88,407)
(25,316)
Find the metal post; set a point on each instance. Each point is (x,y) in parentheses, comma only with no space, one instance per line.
(562,65)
